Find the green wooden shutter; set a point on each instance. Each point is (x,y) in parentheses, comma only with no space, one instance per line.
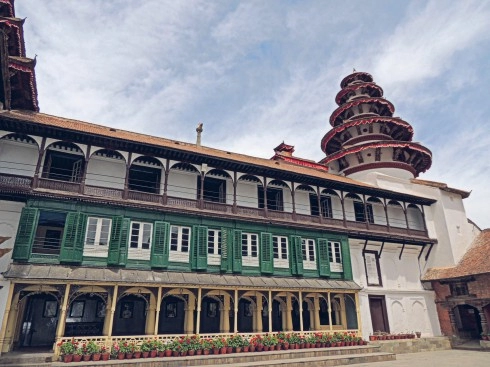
(118,246)
(296,255)
(25,233)
(266,254)
(237,251)
(73,237)
(226,248)
(199,251)
(160,247)
(346,260)
(323,259)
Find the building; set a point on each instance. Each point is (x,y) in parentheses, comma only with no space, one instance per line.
(110,234)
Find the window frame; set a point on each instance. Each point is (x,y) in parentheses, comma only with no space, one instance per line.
(138,252)
(372,256)
(308,248)
(335,256)
(247,251)
(214,244)
(178,254)
(97,249)
(280,254)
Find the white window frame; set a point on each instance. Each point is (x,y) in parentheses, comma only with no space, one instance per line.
(97,249)
(335,256)
(180,254)
(249,242)
(308,252)
(280,253)
(138,252)
(214,246)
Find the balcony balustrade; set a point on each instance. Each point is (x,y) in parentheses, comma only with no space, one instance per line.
(8,182)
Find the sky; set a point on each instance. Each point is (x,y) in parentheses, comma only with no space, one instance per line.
(257,73)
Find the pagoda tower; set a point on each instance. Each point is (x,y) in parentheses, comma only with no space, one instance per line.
(367,138)
(18,88)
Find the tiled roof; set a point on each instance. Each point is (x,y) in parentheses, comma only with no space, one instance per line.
(85,127)
(442,186)
(152,277)
(475,261)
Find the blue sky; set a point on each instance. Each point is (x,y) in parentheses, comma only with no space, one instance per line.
(257,73)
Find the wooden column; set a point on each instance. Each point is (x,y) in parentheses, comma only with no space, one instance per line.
(329,300)
(112,311)
(301,326)
(366,219)
(343,315)
(157,311)
(165,182)
(42,151)
(386,213)
(189,318)
(269,308)
(225,315)
(358,313)
(316,312)
(150,319)
(126,178)
(85,166)
(235,183)
(293,199)
(60,328)
(235,320)
(265,196)
(342,202)
(6,332)
(289,309)
(259,308)
(319,203)
(198,318)
(406,216)
(201,191)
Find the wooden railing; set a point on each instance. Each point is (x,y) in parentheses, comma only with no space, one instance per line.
(14,181)
(103,191)
(46,183)
(8,181)
(143,196)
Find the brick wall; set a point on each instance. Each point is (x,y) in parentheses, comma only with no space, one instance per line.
(481,286)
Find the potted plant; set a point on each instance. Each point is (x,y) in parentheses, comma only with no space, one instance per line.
(220,344)
(94,350)
(136,351)
(270,342)
(236,342)
(77,354)
(104,353)
(67,349)
(146,347)
(207,345)
(116,351)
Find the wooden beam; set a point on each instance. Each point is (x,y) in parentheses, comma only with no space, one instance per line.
(401,252)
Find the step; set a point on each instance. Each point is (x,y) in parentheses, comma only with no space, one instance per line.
(332,355)
(29,364)
(322,361)
(9,359)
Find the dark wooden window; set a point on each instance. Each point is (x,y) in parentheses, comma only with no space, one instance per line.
(145,179)
(274,198)
(459,289)
(49,233)
(214,189)
(371,265)
(63,166)
(360,214)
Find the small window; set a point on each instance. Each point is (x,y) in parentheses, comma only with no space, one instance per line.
(309,255)
(97,237)
(140,241)
(274,198)
(335,256)
(49,233)
(214,189)
(459,289)
(250,249)
(371,263)
(180,238)
(214,242)
(280,251)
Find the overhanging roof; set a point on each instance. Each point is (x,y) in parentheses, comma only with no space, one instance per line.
(61,273)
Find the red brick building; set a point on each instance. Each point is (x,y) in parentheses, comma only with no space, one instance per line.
(463,291)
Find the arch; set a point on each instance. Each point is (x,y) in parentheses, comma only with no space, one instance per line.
(19,154)
(396,214)
(108,153)
(303,187)
(278,183)
(182,292)
(183,166)
(415,217)
(215,188)
(218,173)
(329,192)
(145,175)
(353,196)
(64,161)
(250,178)
(397,312)
(174,310)
(106,168)
(374,200)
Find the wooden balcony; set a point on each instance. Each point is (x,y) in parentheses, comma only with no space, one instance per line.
(10,182)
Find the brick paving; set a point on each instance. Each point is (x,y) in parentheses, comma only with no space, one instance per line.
(444,358)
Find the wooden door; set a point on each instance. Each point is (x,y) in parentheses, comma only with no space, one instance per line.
(379,318)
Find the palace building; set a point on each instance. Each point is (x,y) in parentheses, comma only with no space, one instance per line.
(115,234)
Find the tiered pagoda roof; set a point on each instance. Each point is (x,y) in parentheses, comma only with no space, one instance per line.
(366,136)
(18,88)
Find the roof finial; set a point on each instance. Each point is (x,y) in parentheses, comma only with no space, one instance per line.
(199,130)
(353,70)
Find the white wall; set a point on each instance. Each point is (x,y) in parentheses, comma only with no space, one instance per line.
(106,172)
(182,184)
(9,220)
(18,158)
(246,193)
(302,202)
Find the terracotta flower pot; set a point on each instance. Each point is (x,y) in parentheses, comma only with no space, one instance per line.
(121,355)
(137,355)
(129,355)
(77,357)
(246,349)
(96,357)
(183,353)
(198,352)
(175,353)
(153,353)
(223,350)
(205,352)
(168,353)
(266,348)
(105,356)
(191,352)
(145,354)
(67,358)
(216,350)
(86,357)
(229,350)
(161,354)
